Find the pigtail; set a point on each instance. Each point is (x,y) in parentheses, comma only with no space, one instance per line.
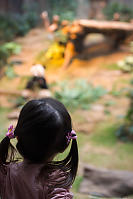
(69,165)
(73,160)
(7,151)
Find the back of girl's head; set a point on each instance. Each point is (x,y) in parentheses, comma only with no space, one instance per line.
(41,129)
(41,132)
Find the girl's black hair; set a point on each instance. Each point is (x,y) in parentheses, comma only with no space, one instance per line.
(41,131)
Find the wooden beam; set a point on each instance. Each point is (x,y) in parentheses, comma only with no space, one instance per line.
(106,25)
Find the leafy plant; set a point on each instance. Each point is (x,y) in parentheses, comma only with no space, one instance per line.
(12,25)
(30,15)
(125,132)
(65,9)
(125,12)
(12,48)
(7,50)
(9,72)
(126,65)
(80,94)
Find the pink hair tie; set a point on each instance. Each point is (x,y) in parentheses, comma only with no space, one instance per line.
(10,132)
(71,136)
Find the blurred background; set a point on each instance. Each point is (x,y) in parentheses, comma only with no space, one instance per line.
(81,53)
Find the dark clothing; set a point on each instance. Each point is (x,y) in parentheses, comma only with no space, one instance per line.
(20,181)
(39,82)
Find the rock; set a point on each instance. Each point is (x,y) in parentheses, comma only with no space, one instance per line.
(107,183)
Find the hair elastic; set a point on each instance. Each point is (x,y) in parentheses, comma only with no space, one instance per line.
(10,132)
(71,136)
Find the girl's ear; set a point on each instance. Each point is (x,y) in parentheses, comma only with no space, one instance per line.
(17,137)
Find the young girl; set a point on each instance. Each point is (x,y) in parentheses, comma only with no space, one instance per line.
(43,130)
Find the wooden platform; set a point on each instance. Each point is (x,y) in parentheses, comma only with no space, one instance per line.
(106,25)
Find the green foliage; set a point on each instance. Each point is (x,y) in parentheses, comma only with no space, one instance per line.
(116,93)
(12,48)
(109,103)
(30,15)
(9,72)
(126,65)
(7,50)
(125,132)
(80,94)
(12,25)
(65,9)
(126,13)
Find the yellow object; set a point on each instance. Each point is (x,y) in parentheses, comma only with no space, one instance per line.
(55,53)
